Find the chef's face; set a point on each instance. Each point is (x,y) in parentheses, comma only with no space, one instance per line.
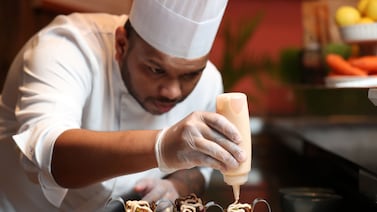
(156,80)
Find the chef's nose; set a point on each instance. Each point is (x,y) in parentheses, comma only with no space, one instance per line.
(171,89)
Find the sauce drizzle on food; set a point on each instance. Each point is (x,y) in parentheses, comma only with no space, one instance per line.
(138,206)
(239,207)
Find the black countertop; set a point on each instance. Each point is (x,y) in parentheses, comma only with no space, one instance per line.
(350,137)
(353,139)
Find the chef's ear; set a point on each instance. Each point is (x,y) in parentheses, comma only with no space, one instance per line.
(120,42)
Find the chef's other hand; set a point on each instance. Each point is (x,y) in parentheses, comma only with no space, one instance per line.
(152,189)
(200,139)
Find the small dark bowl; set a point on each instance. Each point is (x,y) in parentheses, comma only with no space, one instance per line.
(311,201)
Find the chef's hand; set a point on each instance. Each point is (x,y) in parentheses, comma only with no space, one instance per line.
(200,139)
(152,189)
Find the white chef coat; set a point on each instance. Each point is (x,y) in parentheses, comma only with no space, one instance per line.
(67,77)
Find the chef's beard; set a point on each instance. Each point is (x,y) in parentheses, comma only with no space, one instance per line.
(126,76)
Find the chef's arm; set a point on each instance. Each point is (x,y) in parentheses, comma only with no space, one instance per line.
(82,157)
(188,181)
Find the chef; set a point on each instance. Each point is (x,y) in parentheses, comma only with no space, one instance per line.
(97,106)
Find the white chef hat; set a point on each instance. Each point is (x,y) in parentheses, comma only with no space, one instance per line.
(180,28)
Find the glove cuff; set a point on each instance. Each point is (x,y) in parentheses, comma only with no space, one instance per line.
(158,152)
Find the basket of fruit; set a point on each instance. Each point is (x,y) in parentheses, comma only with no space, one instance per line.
(358,27)
(358,23)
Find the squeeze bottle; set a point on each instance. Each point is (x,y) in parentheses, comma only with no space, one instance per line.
(235,108)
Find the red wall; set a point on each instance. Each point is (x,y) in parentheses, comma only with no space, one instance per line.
(280,27)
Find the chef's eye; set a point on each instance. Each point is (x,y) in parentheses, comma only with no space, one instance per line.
(191,76)
(156,71)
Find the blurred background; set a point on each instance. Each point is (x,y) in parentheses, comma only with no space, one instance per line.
(305,133)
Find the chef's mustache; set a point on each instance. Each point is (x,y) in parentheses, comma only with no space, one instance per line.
(169,101)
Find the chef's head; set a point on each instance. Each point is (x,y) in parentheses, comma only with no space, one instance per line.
(163,49)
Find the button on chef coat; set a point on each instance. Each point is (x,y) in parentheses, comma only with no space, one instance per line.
(67,77)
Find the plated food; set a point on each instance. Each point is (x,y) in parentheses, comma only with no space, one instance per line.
(239,207)
(138,206)
(189,203)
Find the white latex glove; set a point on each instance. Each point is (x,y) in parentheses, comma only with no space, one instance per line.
(153,189)
(200,139)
